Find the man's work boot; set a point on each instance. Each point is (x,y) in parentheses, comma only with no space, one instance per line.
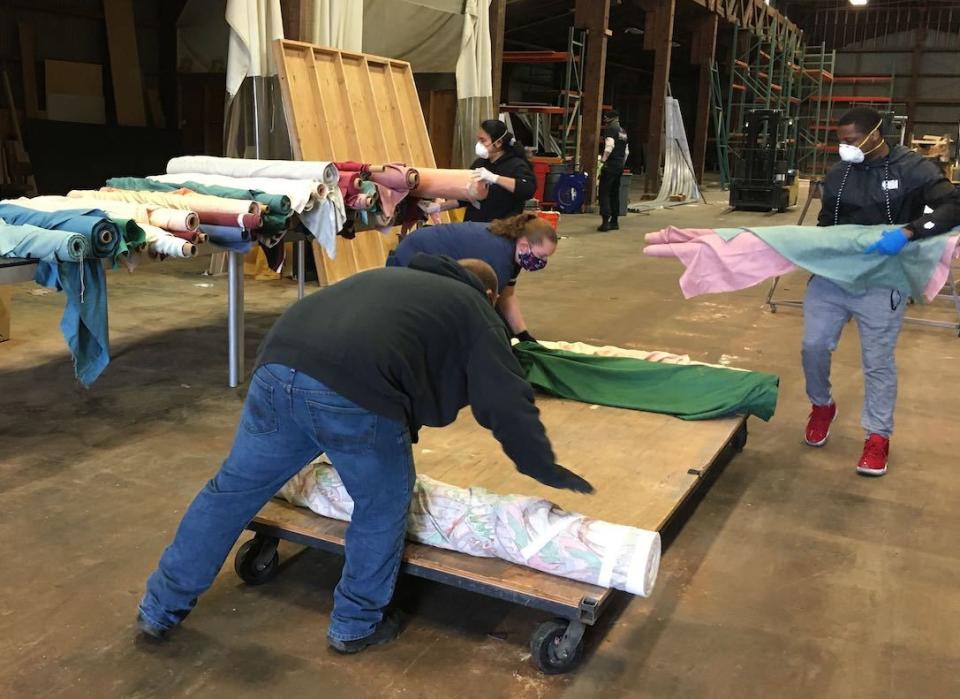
(604,225)
(873,462)
(387,630)
(818,424)
(614,226)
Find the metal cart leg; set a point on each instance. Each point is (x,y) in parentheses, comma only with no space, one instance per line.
(234,317)
(301,266)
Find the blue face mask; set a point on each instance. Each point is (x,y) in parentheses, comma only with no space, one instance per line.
(531,262)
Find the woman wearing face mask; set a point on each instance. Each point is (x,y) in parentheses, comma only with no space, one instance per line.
(522,242)
(873,184)
(501,163)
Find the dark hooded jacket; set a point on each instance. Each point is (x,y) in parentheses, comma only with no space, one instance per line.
(501,203)
(415,344)
(911,182)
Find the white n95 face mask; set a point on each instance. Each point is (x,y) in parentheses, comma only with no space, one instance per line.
(851,154)
(855,154)
(481,150)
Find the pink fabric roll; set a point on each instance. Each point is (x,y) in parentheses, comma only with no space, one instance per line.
(942,271)
(396,176)
(449,184)
(714,265)
(178,199)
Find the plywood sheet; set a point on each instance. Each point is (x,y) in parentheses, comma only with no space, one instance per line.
(124,62)
(75,91)
(350,106)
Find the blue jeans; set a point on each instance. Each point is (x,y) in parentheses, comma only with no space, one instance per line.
(879,315)
(288,420)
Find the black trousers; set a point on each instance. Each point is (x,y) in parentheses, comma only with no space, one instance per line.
(609,194)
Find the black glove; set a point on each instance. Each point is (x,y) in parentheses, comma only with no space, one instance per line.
(524,336)
(556,476)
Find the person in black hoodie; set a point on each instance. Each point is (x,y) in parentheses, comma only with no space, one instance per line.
(502,164)
(353,371)
(873,184)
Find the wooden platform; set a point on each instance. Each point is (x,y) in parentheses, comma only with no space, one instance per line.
(643,466)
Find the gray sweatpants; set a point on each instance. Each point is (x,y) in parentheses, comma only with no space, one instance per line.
(879,315)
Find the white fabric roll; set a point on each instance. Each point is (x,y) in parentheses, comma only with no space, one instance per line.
(303,194)
(326,172)
(162,244)
(528,531)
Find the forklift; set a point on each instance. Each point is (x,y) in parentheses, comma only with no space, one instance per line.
(764,179)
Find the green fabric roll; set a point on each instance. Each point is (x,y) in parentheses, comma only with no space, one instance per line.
(133,235)
(278,204)
(688,391)
(837,253)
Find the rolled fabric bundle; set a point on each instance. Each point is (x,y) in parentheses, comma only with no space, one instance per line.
(449,184)
(227,234)
(103,234)
(189,236)
(274,203)
(528,531)
(300,193)
(324,171)
(351,166)
(349,183)
(249,222)
(132,232)
(170,246)
(202,204)
(34,243)
(163,217)
(396,176)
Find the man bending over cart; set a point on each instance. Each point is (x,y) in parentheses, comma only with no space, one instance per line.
(353,371)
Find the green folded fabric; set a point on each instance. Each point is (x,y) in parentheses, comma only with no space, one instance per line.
(278,205)
(688,391)
(837,253)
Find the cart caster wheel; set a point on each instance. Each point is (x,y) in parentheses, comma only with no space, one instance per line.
(257,560)
(740,438)
(551,654)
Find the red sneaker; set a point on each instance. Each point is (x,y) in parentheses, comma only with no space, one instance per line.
(874,459)
(818,424)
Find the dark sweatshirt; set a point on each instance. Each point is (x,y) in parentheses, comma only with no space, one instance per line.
(499,202)
(415,344)
(912,183)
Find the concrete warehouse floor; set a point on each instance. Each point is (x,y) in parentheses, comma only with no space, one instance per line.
(794,577)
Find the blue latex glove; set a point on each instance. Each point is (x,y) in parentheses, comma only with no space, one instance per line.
(890,243)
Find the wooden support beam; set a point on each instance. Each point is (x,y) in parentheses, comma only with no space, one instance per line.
(28,69)
(498,21)
(592,15)
(124,63)
(660,15)
(704,46)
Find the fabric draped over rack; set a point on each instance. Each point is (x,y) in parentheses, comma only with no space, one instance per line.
(474,82)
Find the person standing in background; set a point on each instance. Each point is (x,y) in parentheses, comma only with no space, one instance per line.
(616,149)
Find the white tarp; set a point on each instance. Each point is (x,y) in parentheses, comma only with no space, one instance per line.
(254,25)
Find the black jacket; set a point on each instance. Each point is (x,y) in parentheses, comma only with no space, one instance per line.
(416,345)
(499,202)
(912,183)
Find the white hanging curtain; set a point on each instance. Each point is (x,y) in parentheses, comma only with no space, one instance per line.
(474,82)
(335,23)
(254,125)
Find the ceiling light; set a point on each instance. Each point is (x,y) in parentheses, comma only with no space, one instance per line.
(859,3)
